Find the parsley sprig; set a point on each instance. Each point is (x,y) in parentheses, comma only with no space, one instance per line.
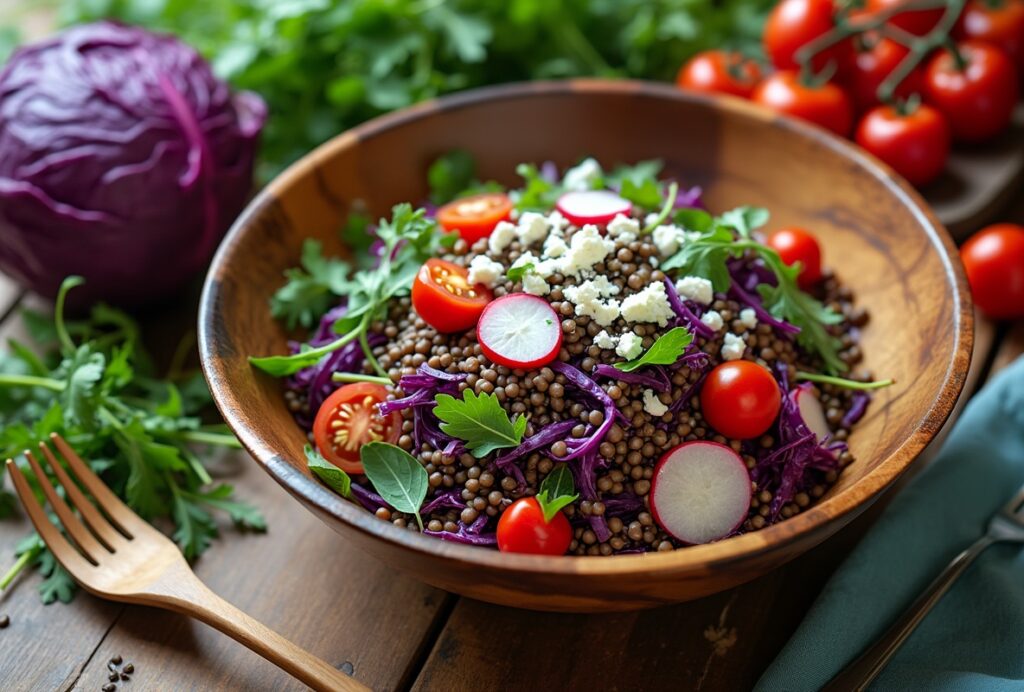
(479,421)
(665,351)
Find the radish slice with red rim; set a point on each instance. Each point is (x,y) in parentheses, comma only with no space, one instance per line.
(519,331)
(592,206)
(700,491)
(810,410)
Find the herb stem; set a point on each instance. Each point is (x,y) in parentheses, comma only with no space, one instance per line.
(368,352)
(210,438)
(359,377)
(66,344)
(670,203)
(31,381)
(843,382)
(23,561)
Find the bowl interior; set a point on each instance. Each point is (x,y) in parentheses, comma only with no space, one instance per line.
(875,235)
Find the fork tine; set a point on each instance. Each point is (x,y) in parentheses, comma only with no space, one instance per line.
(85,541)
(120,514)
(66,554)
(103,529)
(1016,505)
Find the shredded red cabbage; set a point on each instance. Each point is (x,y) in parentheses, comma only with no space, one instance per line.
(449,498)
(600,527)
(546,436)
(370,500)
(611,411)
(623,504)
(686,316)
(858,407)
(584,472)
(685,397)
(470,535)
(763,315)
(654,376)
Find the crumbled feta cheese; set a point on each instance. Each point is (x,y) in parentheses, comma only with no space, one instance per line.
(557,222)
(733,347)
(605,340)
(604,287)
(546,268)
(583,176)
(713,319)
(653,405)
(587,300)
(484,270)
(604,313)
(524,259)
(624,228)
(748,317)
(630,346)
(651,218)
(502,235)
(696,289)
(532,227)
(649,305)
(586,249)
(535,285)
(668,239)
(555,246)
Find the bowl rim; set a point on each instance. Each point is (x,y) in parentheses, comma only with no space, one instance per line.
(705,558)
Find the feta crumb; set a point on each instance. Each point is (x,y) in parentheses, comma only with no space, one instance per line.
(605,340)
(524,259)
(604,287)
(653,405)
(587,300)
(630,346)
(555,246)
(748,317)
(546,268)
(713,319)
(535,285)
(649,305)
(651,218)
(583,176)
(624,228)
(696,289)
(668,239)
(586,248)
(557,222)
(733,347)
(531,228)
(502,235)
(484,270)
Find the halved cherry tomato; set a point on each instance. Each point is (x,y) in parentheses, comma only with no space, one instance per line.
(797,245)
(1000,23)
(795,23)
(826,105)
(916,144)
(348,419)
(978,99)
(720,71)
(870,68)
(476,216)
(917,22)
(994,260)
(443,297)
(522,529)
(740,399)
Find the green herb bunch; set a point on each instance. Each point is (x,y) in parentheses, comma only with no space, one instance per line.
(93,383)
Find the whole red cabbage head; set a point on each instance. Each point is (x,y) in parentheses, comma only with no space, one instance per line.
(122,159)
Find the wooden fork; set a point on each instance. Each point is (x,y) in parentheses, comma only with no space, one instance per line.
(118,556)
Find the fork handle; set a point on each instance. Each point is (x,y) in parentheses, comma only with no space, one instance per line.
(859,674)
(189,596)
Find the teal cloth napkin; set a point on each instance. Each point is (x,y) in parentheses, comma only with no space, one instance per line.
(974,638)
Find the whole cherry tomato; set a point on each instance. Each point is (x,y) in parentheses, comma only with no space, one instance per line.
(918,22)
(978,97)
(522,529)
(915,144)
(994,260)
(794,23)
(826,105)
(348,419)
(444,298)
(474,217)
(870,68)
(798,245)
(1000,23)
(740,399)
(719,71)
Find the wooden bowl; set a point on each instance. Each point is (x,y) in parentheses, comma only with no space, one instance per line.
(876,234)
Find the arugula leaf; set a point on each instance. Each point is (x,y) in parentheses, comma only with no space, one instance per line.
(397,476)
(745,220)
(556,491)
(335,478)
(479,421)
(517,273)
(696,220)
(705,257)
(665,351)
(311,289)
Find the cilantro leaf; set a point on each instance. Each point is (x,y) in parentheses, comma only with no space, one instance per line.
(83,371)
(332,476)
(517,273)
(396,475)
(479,421)
(57,583)
(195,528)
(538,193)
(745,220)
(556,491)
(665,351)
(639,183)
(705,257)
(311,289)
(243,514)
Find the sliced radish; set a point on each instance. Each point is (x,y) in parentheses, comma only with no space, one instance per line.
(593,206)
(519,331)
(700,491)
(810,410)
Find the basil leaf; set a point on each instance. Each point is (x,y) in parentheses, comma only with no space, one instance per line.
(665,351)
(396,476)
(557,491)
(332,476)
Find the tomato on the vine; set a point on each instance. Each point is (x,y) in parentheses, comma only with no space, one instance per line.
(474,217)
(740,399)
(794,23)
(348,419)
(917,22)
(994,260)
(915,144)
(999,22)
(798,245)
(977,97)
(522,529)
(444,298)
(826,105)
(719,71)
(871,67)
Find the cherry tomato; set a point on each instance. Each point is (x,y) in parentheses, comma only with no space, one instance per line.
(740,399)
(442,296)
(348,419)
(719,71)
(797,245)
(522,529)
(826,105)
(794,23)
(915,144)
(978,100)
(994,260)
(998,23)
(476,216)
(872,66)
(917,22)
